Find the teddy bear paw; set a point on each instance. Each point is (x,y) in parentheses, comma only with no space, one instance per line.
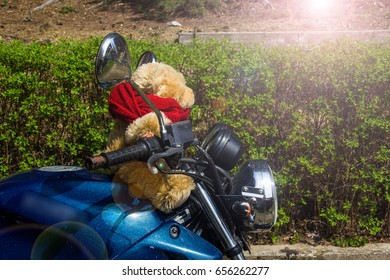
(168,201)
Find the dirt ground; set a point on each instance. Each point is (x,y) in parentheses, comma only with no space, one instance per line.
(82,18)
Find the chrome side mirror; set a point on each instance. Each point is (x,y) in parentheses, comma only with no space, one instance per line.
(147,57)
(113,62)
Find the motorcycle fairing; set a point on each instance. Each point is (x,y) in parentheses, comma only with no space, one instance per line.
(84,203)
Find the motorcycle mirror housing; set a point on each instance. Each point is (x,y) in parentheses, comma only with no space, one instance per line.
(113,62)
(146,57)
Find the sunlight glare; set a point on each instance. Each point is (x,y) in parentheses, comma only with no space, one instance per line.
(320,5)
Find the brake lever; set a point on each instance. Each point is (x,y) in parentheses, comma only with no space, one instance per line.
(155,157)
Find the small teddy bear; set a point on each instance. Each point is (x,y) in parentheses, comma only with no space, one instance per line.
(134,120)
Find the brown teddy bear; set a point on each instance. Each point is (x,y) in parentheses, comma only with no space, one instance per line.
(134,119)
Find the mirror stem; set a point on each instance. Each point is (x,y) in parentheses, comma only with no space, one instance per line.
(154,108)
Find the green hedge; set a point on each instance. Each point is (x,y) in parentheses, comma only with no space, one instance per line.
(51,112)
(320,116)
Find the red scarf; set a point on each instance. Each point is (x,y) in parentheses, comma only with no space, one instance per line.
(126,104)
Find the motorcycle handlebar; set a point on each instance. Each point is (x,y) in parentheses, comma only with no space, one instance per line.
(144,148)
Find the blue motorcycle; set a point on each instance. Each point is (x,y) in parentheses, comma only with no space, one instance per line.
(71,212)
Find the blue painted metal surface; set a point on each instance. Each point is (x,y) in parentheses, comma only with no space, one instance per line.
(72,213)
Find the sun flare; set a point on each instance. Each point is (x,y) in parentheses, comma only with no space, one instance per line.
(320,5)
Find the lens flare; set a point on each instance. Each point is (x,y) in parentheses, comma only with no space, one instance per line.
(125,202)
(17,241)
(69,240)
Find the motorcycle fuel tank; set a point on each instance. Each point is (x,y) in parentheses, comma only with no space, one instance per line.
(66,212)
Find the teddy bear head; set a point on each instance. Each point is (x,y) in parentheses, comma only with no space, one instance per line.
(164,81)
(134,119)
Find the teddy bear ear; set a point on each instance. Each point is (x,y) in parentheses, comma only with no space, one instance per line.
(188,98)
(142,77)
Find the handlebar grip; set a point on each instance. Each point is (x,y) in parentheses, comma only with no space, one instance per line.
(95,162)
(144,148)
